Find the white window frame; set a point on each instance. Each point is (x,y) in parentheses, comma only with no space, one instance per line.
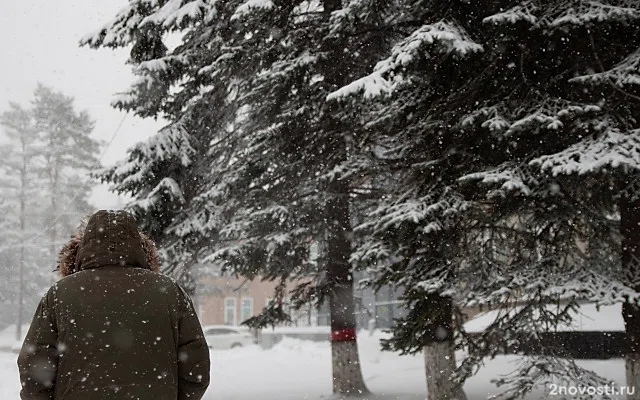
(244,317)
(235,311)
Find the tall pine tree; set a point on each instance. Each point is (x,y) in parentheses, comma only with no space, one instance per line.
(20,189)
(255,164)
(44,191)
(69,153)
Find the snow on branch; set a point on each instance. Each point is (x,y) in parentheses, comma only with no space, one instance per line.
(585,12)
(371,252)
(432,211)
(247,219)
(449,38)
(488,117)
(521,12)
(538,119)
(625,73)
(535,115)
(119,31)
(163,64)
(592,286)
(228,251)
(129,99)
(548,115)
(574,13)
(172,15)
(365,12)
(613,149)
(542,371)
(510,177)
(171,142)
(284,68)
(175,13)
(160,16)
(250,6)
(166,187)
(200,222)
(439,38)
(370,86)
(304,11)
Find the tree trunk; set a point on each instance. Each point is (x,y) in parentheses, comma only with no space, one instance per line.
(440,363)
(632,364)
(20,295)
(630,230)
(347,376)
(439,351)
(53,232)
(23,217)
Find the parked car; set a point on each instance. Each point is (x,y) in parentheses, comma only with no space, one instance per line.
(228,337)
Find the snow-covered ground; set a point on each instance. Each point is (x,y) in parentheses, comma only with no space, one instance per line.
(8,337)
(298,370)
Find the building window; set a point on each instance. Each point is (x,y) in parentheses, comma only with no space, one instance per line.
(230,311)
(247,308)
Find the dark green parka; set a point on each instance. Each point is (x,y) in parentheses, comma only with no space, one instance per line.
(113,327)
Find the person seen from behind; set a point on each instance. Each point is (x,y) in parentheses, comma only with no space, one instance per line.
(113,327)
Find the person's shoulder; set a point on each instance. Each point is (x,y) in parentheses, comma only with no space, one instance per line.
(157,276)
(77,279)
(164,282)
(68,280)
(175,286)
(173,290)
(80,277)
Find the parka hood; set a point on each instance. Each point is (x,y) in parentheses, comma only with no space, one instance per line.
(110,238)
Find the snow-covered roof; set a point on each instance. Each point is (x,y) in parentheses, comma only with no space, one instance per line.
(588,318)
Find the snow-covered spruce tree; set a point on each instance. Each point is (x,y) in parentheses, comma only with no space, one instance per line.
(586,166)
(301,170)
(414,232)
(167,177)
(172,176)
(499,92)
(289,162)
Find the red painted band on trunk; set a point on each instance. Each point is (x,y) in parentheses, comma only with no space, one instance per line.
(344,335)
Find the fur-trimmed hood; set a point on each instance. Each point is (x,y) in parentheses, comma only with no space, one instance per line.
(128,332)
(109,238)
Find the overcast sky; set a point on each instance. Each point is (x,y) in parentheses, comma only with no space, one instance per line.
(40,44)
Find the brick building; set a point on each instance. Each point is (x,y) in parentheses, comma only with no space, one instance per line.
(229,301)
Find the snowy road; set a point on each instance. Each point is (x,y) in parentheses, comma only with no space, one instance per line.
(297,370)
